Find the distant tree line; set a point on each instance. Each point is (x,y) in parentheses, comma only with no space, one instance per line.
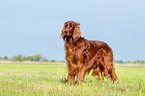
(137,61)
(39,58)
(19,57)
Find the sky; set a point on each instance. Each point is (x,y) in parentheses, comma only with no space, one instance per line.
(30,27)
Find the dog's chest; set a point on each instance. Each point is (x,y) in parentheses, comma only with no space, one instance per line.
(75,54)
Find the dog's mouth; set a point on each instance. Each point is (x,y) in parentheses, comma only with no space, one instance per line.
(66,38)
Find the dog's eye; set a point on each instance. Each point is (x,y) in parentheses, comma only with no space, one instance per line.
(66,26)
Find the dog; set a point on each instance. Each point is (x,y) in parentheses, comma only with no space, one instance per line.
(83,55)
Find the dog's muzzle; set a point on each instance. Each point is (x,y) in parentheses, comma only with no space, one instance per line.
(66,38)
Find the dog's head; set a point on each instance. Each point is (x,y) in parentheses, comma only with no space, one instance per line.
(71,31)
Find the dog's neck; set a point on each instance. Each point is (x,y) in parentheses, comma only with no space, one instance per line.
(71,44)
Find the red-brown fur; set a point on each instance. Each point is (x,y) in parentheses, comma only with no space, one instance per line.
(83,55)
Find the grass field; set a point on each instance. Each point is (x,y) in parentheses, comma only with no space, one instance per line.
(50,80)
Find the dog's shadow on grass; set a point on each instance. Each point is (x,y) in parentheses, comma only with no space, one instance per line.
(64,80)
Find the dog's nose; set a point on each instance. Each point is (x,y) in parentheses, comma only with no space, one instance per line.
(65,31)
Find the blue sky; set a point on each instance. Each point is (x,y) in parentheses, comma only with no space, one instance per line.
(30,27)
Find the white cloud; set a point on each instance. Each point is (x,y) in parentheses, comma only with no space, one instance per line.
(49,23)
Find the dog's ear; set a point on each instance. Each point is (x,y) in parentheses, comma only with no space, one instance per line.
(76,32)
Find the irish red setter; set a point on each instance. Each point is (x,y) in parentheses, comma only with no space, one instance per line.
(83,55)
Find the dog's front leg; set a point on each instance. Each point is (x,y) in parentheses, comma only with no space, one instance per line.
(70,78)
(80,76)
(71,73)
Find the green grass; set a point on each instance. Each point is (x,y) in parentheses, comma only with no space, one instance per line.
(50,80)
